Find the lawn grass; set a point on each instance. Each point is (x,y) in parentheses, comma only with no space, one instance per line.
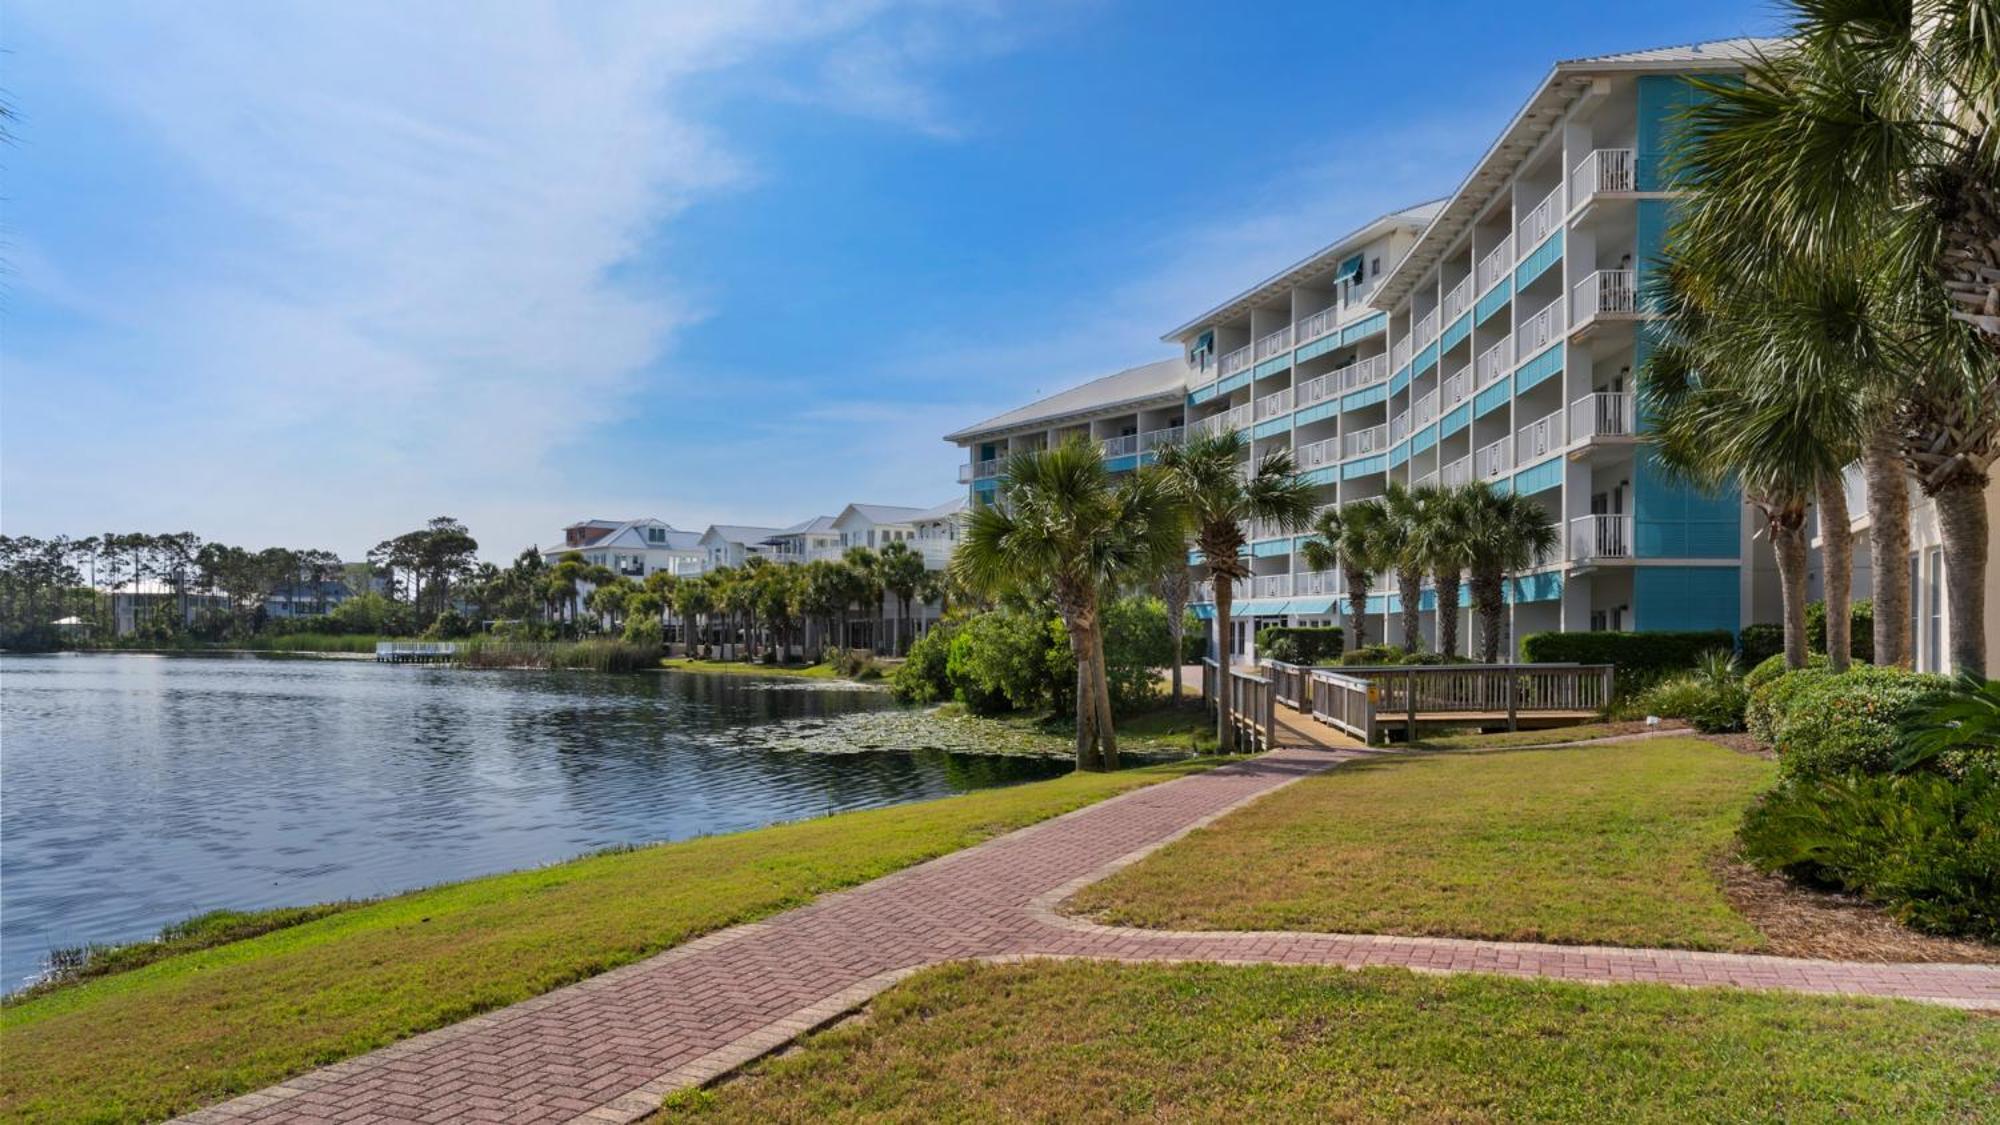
(1552,736)
(821,671)
(1158,730)
(201,1026)
(1600,844)
(1073,1041)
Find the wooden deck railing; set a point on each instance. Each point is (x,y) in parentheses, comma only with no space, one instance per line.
(1253,711)
(1361,700)
(1288,682)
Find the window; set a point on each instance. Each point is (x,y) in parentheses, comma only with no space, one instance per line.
(1375,268)
(1934,595)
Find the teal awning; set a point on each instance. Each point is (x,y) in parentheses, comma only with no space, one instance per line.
(1312,607)
(1204,342)
(1349,268)
(1203,611)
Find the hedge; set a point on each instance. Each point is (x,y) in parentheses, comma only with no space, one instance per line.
(1301,644)
(1824,724)
(1638,657)
(1761,642)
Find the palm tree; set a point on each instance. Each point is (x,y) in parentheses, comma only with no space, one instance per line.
(1346,538)
(1869,148)
(1174,585)
(1059,520)
(1403,554)
(1440,539)
(902,572)
(1219,497)
(1504,531)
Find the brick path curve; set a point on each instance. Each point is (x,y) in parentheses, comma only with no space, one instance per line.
(608,1048)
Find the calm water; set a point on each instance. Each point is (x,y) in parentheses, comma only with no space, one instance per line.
(138,790)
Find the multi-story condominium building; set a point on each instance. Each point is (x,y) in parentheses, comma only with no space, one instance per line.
(938,529)
(632,548)
(1130,414)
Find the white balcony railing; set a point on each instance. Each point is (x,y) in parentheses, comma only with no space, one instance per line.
(1540,222)
(1600,415)
(979,470)
(1427,329)
(1426,410)
(1276,343)
(1496,264)
(1399,353)
(1361,443)
(1606,291)
(1600,537)
(1457,472)
(1428,480)
(1236,361)
(1203,592)
(1323,452)
(1271,586)
(1265,529)
(1122,446)
(1317,325)
(1316,584)
(1494,459)
(1458,300)
(1363,373)
(1160,439)
(1317,389)
(1274,405)
(1235,418)
(1457,388)
(1399,427)
(1541,330)
(1606,169)
(1539,438)
(1494,361)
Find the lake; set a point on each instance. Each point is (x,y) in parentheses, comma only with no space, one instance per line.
(139,790)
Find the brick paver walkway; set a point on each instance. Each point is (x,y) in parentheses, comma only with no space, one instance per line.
(608,1048)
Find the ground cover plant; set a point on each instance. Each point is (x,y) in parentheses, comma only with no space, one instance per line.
(201,1026)
(1609,844)
(1072,1041)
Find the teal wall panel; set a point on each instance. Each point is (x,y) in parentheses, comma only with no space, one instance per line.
(1200,395)
(1495,299)
(1320,476)
(1423,439)
(1367,396)
(1425,360)
(1459,330)
(1673,520)
(1544,587)
(1399,380)
(1361,330)
(1317,348)
(1363,467)
(1531,373)
(1547,254)
(1271,427)
(1546,475)
(1663,99)
(1455,421)
(1271,366)
(1314,413)
(1240,379)
(1122,464)
(1654,217)
(1493,397)
(1399,454)
(1686,597)
(1271,548)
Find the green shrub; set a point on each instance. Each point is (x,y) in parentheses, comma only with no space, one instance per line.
(1137,647)
(1711,697)
(998,662)
(1861,627)
(1772,698)
(1759,643)
(645,630)
(1773,666)
(925,676)
(1925,846)
(1639,658)
(1301,644)
(1954,732)
(1832,724)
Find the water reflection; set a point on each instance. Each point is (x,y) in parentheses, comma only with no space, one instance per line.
(138,790)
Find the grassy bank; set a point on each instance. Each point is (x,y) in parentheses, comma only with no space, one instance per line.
(591,655)
(1583,732)
(822,671)
(201,1026)
(1601,844)
(265,642)
(1103,1042)
(1159,730)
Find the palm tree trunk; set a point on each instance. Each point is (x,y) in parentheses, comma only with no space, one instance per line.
(1489,598)
(1357,606)
(1961,511)
(1882,466)
(1447,611)
(1080,646)
(1107,731)
(1225,734)
(1788,543)
(1836,536)
(1174,591)
(1410,591)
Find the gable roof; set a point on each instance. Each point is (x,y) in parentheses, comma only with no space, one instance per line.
(951,508)
(878,513)
(738,533)
(1163,380)
(807,527)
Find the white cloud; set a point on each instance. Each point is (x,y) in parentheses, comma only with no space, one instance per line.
(416,300)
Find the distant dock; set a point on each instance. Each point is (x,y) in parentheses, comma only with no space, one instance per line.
(416,652)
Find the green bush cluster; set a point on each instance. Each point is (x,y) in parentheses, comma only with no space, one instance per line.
(1382,656)
(1761,642)
(1927,846)
(1014,660)
(1712,697)
(1824,724)
(1301,644)
(1640,659)
(1758,643)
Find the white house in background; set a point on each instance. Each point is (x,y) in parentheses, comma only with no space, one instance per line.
(726,544)
(875,526)
(805,541)
(134,602)
(938,530)
(632,548)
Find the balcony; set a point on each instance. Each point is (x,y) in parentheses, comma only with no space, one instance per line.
(1399,427)
(1542,329)
(1277,343)
(1600,537)
(1124,446)
(1319,453)
(1457,472)
(1427,328)
(1265,529)
(1317,325)
(1235,418)
(1456,389)
(1363,373)
(1274,405)
(979,470)
(1493,460)
(1540,222)
(1606,292)
(1496,264)
(1271,586)
(1160,439)
(1428,480)
(1458,300)
(1399,353)
(1606,169)
(1494,362)
(1601,415)
(1317,390)
(1426,410)
(1539,438)
(1316,584)
(1361,443)
(1236,361)
(1202,592)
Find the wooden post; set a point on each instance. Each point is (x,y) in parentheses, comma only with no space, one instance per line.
(1513,698)
(1271,716)
(1410,707)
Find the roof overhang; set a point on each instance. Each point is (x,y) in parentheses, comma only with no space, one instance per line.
(1173,397)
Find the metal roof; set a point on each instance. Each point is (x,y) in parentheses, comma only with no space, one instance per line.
(1164,380)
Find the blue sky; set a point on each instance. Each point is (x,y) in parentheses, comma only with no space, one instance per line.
(310,274)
